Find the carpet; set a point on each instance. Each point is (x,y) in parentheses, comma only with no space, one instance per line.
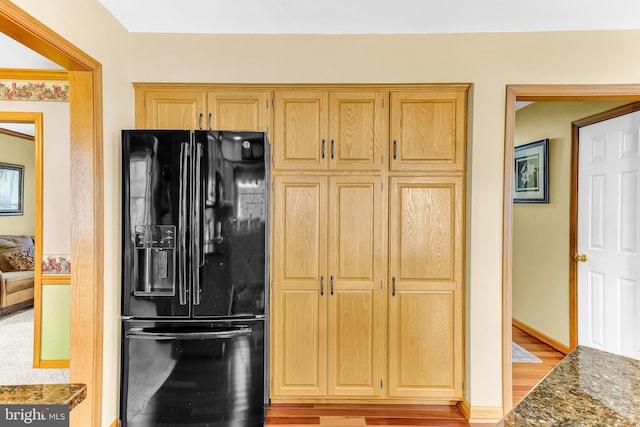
(520,355)
(16,353)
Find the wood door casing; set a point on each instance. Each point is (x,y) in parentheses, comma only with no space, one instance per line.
(300,130)
(357,304)
(428,130)
(358,130)
(425,303)
(238,110)
(177,109)
(299,305)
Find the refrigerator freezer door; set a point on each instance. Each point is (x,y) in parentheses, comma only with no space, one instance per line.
(232,200)
(193,374)
(155,237)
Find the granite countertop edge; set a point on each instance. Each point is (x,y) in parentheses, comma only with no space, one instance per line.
(45,394)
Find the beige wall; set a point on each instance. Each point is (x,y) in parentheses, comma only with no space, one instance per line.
(489,61)
(56,219)
(541,255)
(20,151)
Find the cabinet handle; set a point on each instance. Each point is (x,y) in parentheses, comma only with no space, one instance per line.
(332,284)
(200,121)
(210,114)
(323,148)
(321,285)
(332,149)
(395,149)
(393,281)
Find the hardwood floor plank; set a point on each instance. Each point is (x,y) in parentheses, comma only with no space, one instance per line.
(290,415)
(527,375)
(415,422)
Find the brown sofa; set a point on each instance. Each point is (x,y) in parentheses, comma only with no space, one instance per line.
(16,273)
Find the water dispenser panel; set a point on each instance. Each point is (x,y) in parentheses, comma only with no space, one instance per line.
(155,249)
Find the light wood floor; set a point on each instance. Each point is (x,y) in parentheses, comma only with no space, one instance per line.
(292,415)
(525,377)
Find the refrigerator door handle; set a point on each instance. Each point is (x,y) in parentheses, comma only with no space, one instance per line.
(140,333)
(182,223)
(196,252)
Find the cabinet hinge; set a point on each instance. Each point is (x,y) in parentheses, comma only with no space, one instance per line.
(145,103)
(273,102)
(273,285)
(465,103)
(273,187)
(463,286)
(383,103)
(380,383)
(271,382)
(382,186)
(463,188)
(382,159)
(381,284)
(462,385)
(266,101)
(273,158)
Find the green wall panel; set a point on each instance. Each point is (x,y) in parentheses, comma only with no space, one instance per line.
(56,322)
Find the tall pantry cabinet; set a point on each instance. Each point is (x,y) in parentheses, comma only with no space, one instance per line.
(367,231)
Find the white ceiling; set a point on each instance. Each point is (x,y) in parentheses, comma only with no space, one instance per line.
(372,16)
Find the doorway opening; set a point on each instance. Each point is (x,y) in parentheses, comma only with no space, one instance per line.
(536,93)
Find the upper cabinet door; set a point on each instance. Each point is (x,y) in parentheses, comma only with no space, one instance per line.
(177,109)
(238,110)
(427,130)
(358,130)
(300,130)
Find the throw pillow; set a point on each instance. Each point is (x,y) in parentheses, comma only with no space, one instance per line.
(21,260)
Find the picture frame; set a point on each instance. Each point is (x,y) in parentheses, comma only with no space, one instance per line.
(531,172)
(11,189)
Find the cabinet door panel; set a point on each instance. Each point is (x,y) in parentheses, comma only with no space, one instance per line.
(358,129)
(299,305)
(356,302)
(300,130)
(425,305)
(174,109)
(428,130)
(238,110)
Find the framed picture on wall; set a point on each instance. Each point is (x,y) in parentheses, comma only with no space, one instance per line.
(531,172)
(11,189)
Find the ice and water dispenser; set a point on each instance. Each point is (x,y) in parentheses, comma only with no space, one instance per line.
(155,250)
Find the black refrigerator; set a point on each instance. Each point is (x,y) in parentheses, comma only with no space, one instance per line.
(194,278)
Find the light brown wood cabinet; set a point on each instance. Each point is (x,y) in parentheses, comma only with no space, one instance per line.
(172,110)
(334,130)
(425,307)
(327,302)
(367,230)
(428,130)
(222,109)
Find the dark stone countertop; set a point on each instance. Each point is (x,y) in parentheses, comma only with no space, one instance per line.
(47,394)
(589,387)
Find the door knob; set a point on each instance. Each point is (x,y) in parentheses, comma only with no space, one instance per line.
(580,258)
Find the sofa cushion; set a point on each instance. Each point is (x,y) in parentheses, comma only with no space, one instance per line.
(20,259)
(18,280)
(10,244)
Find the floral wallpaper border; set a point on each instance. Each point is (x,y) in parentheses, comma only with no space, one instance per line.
(34,91)
(56,264)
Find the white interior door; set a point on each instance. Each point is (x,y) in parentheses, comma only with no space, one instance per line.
(608,234)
